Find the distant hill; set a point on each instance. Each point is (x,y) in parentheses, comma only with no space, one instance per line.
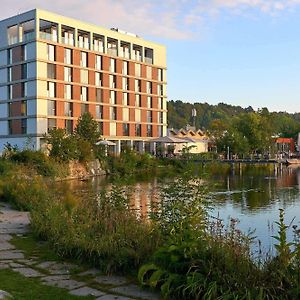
(180,114)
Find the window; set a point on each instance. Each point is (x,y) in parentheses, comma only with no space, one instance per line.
(98,95)
(51,108)
(27,30)
(67,74)
(98,79)
(125,83)
(24,108)
(125,68)
(112,47)
(137,53)
(24,126)
(98,62)
(83,59)
(68,91)
(137,85)
(98,43)
(68,109)
(68,56)
(112,65)
(161,103)
(138,102)
(138,70)
(84,108)
(113,97)
(51,87)
(84,76)
(125,50)
(148,72)
(67,35)
(9,56)
(138,129)
(13,34)
(149,130)
(149,116)
(149,87)
(160,90)
(99,111)
(100,126)
(160,130)
(125,99)
(125,129)
(149,102)
(9,74)
(113,113)
(24,71)
(51,71)
(10,131)
(83,39)
(48,30)
(112,81)
(160,75)
(51,52)
(160,117)
(148,56)
(84,93)
(69,126)
(51,124)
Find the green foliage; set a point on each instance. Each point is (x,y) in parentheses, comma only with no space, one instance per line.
(87,129)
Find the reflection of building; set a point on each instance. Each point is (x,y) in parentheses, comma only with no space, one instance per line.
(195,140)
(53,69)
(285,145)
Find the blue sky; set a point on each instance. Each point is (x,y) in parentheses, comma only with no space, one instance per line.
(242,52)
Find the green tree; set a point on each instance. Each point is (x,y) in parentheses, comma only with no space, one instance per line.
(87,129)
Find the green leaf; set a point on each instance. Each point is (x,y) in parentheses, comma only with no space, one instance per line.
(144,270)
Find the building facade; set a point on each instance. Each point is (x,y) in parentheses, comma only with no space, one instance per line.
(53,69)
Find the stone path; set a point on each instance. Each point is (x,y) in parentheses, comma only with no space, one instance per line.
(60,274)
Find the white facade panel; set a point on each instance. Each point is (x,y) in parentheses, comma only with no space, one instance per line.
(3,110)
(31,51)
(41,125)
(3,75)
(31,107)
(113,129)
(3,58)
(31,70)
(3,93)
(31,89)
(3,127)
(31,126)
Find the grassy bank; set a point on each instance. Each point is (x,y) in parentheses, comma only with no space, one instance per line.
(179,250)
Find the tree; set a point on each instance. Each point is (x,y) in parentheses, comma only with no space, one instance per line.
(87,129)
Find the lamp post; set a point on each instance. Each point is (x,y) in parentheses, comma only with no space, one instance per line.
(228,152)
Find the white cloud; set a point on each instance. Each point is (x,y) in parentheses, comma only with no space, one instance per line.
(172,19)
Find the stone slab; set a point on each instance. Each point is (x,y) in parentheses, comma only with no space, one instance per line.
(45,264)
(5,237)
(55,278)
(29,262)
(111,280)
(135,291)
(4,245)
(92,272)
(28,272)
(15,265)
(68,284)
(113,297)
(5,295)
(11,255)
(4,266)
(86,291)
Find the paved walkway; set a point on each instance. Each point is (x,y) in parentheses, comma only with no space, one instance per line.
(59,274)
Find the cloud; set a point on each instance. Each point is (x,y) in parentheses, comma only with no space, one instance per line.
(170,19)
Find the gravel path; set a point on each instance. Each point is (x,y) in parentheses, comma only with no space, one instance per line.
(59,274)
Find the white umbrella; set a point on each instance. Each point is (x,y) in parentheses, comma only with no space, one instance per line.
(106,143)
(168,140)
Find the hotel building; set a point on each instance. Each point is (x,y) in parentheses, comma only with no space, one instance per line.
(53,69)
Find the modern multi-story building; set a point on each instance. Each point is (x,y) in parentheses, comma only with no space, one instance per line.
(53,69)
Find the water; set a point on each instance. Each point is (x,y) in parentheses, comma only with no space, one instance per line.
(253,195)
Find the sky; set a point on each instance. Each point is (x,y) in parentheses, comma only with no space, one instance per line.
(240,52)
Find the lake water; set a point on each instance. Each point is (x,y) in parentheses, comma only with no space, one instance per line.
(253,194)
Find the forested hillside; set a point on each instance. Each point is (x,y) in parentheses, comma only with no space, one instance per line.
(180,114)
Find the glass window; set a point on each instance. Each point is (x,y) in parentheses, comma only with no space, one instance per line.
(112,97)
(51,108)
(98,79)
(51,88)
(83,59)
(98,95)
(99,111)
(138,102)
(69,126)
(67,74)
(125,68)
(27,30)
(138,70)
(51,71)
(113,113)
(24,108)
(84,108)
(68,56)
(98,62)
(12,34)
(84,93)
(149,102)
(84,76)
(112,66)
(51,52)
(138,129)
(149,130)
(24,126)
(68,91)
(125,129)
(51,124)
(125,99)
(68,109)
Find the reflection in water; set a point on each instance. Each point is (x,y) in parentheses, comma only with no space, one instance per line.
(253,194)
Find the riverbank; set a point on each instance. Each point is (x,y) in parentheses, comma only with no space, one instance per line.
(28,270)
